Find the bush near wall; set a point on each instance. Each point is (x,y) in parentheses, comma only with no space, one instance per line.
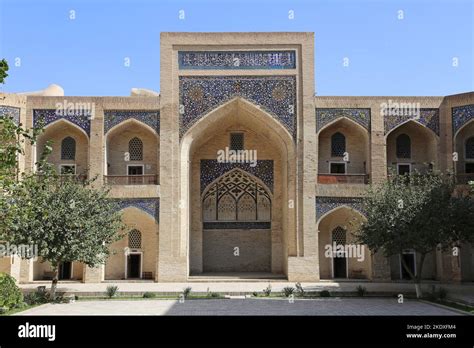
(10,293)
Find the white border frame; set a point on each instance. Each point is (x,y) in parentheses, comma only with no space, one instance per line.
(136,165)
(404,164)
(400,261)
(68,165)
(129,252)
(338,162)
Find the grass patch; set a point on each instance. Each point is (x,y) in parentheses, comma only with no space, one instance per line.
(18,310)
(463,307)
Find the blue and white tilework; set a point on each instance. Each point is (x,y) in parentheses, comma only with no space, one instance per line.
(150,206)
(462,115)
(328,115)
(115,117)
(48,116)
(211,170)
(10,111)
(326,204)
(428,118)
(223,60)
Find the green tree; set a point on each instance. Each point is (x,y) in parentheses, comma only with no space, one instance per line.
(3,70)
(68,220)
(419,212)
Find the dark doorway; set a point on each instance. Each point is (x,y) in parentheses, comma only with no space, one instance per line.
(409,259)
(133,266)
(340,267)
(65,270)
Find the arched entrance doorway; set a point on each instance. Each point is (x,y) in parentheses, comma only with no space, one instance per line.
(250,241)
(236,214)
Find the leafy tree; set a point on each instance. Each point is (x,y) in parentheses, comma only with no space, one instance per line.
(419,212)
(3,70)
(68,220)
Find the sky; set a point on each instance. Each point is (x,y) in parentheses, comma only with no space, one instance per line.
(362,47)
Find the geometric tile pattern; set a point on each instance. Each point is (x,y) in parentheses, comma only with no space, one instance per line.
(327,115)
(10,111)
(461,115)
(240,225)
(212,169)
(150,206)
(428,118)
(326,204)
(48,116)
(199,95)
(114,117)
(224,60)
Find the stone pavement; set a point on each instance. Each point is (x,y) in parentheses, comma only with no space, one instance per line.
(327,306)
(463,292)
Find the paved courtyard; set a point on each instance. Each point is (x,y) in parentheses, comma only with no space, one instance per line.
(327,306)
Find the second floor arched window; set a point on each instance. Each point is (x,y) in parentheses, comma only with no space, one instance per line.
(338,145)
(135,149)
(68,149)
(403,146)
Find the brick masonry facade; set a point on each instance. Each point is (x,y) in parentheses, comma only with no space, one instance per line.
(261,85)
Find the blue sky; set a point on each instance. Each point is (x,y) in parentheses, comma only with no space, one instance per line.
(387,55)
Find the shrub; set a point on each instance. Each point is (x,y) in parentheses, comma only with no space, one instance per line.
(111,291)
(214,294)
(288,291)
(255,294)
(324,293)
(299,290)
(37,297)
(361,290)
(268,290)
(442,293)
(10,293)
(149,295)
(187,291)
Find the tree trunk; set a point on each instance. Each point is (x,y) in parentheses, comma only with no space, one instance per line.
(54,283)
(416,279)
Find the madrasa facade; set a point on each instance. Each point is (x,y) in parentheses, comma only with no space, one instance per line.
(237,169)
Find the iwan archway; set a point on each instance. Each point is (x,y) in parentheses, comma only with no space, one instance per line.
(235,215)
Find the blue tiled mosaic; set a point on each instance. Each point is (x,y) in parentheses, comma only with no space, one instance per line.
(199,95)
(10,111)
(222,60)
(211,170)
(115,117)
(326,204)
(236,225)
(150,206)
(327,115)
(461,115)
(48,116)
(428,118)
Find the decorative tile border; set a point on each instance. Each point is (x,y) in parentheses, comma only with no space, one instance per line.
(150,206)
(236,225)
(326,204)
(10,111)
(211,170)
(115,117)
(428,118)
(461,115)
(198,95)
(327,115)
(49,115)
(236,60)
